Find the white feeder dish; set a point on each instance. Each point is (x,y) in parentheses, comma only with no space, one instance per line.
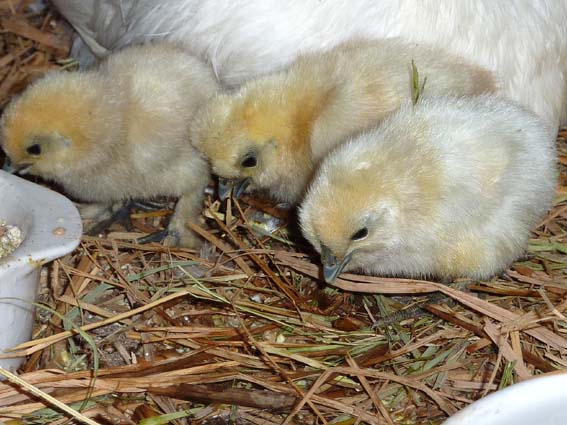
(537,401)
(52,228)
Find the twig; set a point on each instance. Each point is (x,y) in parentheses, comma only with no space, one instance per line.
(46,397)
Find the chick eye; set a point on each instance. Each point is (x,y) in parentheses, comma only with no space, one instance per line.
(34,150)
(360,234)
(249,161)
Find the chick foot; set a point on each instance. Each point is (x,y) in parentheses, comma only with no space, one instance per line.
(421,309)
(188,208)
(172,237)
(102,216)
(177,233)
(154,237)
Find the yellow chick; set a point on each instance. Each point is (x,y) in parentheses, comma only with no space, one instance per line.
(447,188)
(118,132)
(271,133)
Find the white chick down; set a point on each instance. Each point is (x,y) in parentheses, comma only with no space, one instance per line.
(523,42)
(117,132)
(272,132)
(448,188)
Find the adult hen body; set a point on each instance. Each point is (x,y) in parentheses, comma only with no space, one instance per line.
(523,42)
(447,188)
(117,132)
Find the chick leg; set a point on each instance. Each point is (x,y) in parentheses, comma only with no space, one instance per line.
(188,208)
(418,310)
(411,312)
(153,237)
(95,212)
(100,216)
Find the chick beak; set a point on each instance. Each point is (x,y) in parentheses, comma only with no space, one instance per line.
(236,186)
(8,167)
(20,169)
(332,266)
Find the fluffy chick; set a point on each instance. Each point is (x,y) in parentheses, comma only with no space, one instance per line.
(271,133)
(117,132)
(448,188)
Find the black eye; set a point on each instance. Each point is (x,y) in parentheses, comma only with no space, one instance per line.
(360,234)
(249,161)
(34,149)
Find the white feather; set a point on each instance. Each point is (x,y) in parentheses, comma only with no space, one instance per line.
(523,41)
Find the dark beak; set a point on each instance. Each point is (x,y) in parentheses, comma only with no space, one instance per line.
(237,187)
(9,168)
(332,266)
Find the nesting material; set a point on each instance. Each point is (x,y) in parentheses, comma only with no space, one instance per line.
(32,44)
(11,237)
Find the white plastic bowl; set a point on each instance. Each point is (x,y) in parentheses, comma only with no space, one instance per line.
(52,228)
(538,401)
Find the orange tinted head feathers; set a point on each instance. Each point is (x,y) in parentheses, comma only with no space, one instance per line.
(262,132)
(53,123)
(339,213)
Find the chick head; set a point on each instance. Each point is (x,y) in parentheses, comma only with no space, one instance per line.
(363,205)
(51,128)
(259,136)
(341,217)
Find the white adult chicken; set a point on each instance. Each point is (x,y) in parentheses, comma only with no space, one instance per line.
(522,41)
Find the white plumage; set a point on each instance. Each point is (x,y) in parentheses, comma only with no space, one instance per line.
(522,41)
(448,188)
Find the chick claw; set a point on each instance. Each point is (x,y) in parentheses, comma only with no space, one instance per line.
(116,213)
(420,309)
(170,237)
(155,237)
